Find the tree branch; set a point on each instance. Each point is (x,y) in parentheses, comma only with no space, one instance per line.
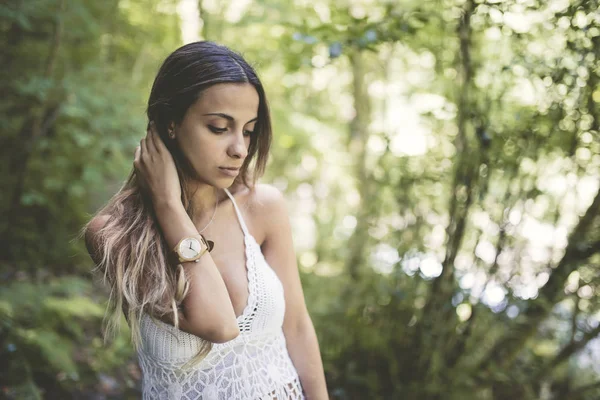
(506,348)
(570,349)
(579,392)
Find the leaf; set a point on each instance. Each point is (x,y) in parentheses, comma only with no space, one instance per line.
(6,310)
(53,349)
(74,307)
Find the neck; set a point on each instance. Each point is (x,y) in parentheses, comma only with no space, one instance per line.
(204,200)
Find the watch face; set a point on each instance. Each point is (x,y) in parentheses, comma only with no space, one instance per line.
(190,248)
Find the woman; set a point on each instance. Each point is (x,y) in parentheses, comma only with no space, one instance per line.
(197,255)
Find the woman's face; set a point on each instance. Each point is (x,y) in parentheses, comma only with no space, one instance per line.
(215,132)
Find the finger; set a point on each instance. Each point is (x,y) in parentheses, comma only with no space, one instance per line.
(156,140)
(151,141)
(136,155)
(152,129)
(144,149)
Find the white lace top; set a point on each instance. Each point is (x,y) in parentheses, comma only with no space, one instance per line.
(255,365)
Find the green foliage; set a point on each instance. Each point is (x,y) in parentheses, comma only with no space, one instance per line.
(49,336)
(440,160)
(73,112)
(72,121)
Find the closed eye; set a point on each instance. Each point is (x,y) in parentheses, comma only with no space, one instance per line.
(248,133)
(214,129)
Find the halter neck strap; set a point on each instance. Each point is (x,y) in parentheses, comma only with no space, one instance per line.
(238,212)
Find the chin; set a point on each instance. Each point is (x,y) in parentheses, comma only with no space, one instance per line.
(218,182)
(224,183)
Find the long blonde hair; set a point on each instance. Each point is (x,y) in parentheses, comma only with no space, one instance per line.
(131,251)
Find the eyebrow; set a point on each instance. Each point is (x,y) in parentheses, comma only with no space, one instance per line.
(229,117)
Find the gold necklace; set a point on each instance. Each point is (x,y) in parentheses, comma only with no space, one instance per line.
(214,213)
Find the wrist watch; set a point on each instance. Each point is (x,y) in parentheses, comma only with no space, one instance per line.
(191,248)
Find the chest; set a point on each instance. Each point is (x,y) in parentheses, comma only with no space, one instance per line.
(257,293)
(231,260)
(231,254)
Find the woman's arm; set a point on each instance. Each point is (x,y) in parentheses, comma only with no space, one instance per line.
(207,309)
(300,335)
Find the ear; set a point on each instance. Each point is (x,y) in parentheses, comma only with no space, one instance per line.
(171,130)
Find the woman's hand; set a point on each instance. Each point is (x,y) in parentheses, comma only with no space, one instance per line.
(155,169)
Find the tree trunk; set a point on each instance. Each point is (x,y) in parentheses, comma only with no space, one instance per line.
(41,117)
(432,330)
(359,135)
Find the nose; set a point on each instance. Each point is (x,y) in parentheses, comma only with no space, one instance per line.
(237,148)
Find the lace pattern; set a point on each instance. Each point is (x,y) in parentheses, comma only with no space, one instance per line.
(255,365)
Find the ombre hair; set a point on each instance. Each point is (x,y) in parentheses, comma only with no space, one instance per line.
(131,251)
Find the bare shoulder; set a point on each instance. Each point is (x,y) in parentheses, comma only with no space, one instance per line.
(265,195)
(91,234)
(267,202)
(259,198)
(265,207)
(94,226)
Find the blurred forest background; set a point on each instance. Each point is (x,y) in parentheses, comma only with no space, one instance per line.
(441,160)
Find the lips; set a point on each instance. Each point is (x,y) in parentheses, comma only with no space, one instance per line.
(230,171)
